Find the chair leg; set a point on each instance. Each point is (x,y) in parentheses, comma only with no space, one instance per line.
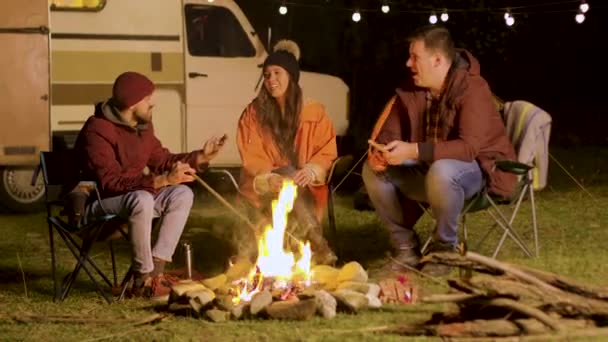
(53,263)
(113,263)
(534,224)
(82,256)
(90,262)
(331,217)
(505,224)
(125,283)
(510,223)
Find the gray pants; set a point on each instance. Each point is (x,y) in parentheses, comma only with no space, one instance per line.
(171,204)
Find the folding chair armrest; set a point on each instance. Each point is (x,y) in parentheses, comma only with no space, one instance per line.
(339,168)
(513,167)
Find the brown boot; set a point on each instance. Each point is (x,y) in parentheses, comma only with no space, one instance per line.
(321,253)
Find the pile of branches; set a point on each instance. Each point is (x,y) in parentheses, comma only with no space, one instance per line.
(497,299)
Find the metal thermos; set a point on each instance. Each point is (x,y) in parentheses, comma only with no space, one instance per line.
(188,257)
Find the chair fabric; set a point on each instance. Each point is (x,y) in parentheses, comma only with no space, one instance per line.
(61,178)
(528,128)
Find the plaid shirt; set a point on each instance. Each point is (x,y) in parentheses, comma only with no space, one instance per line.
(432,118)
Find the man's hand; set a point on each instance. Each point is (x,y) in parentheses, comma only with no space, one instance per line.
(211,148)
(180,173)
(400,151)
(303,177)
(275,183)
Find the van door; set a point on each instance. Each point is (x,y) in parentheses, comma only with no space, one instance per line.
(222,69)
(24,99)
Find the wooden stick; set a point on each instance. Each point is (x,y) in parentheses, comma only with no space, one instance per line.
(80,320)
(413,269)
(233,209)
(224,202)
(509,269)
(450,298)
(22,275)
(526,310)
(566,335)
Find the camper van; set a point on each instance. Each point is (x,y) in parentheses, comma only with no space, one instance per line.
(60,57)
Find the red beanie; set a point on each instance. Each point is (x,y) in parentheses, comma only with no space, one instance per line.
(130,88)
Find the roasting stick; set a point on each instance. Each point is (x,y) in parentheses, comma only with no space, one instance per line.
(229,206)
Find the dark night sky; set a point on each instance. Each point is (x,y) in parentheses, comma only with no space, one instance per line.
(546,57)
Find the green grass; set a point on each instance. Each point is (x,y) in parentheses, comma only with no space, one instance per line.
(573,232)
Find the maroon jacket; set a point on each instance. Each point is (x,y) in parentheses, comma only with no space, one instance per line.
(121,158)
(472,128)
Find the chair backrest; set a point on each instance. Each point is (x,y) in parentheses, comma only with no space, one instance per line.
(60,171)
(529,129)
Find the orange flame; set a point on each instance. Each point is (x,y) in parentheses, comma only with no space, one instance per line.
(273,261)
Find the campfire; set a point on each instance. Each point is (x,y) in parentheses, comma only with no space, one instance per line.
(280,284)
(277,269)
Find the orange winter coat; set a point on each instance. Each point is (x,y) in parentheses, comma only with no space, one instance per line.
(315,143)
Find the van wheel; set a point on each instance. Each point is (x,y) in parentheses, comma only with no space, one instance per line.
(17,194)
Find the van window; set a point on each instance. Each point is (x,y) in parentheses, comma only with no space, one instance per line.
(213,31)
(77,5)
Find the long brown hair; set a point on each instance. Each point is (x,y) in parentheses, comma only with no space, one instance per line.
(281,126)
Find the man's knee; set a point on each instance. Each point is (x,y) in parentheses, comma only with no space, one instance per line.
(139,201)
(370,177)
(182,196)
(441,172)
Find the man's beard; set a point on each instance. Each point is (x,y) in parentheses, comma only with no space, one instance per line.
(141,120)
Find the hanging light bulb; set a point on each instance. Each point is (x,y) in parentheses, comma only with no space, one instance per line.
(210,0)
(510,20)
(433,19)
(580,17)
(385,8)
(444,16)
(507,14)
(283,9)
(584,7)
(356,16)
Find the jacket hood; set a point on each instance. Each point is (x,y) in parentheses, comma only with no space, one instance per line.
(465,60)
(107,110)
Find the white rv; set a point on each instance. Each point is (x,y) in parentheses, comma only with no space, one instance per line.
(60,57)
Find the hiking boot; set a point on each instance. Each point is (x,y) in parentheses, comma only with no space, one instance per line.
(407,256)
(434,269)
(321,252)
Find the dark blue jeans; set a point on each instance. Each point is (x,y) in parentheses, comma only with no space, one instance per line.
(444,186)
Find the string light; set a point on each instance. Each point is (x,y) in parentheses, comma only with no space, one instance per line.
(443,15)
(509,20)
(584,7)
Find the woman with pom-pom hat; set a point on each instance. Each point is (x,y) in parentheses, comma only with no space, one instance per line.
(281,136)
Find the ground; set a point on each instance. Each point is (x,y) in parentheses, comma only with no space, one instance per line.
(572,227)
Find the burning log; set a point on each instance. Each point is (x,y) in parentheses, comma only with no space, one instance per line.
(280,284)
(328,291)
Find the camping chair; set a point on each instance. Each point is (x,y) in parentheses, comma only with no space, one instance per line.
(61,175)
(528,128)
